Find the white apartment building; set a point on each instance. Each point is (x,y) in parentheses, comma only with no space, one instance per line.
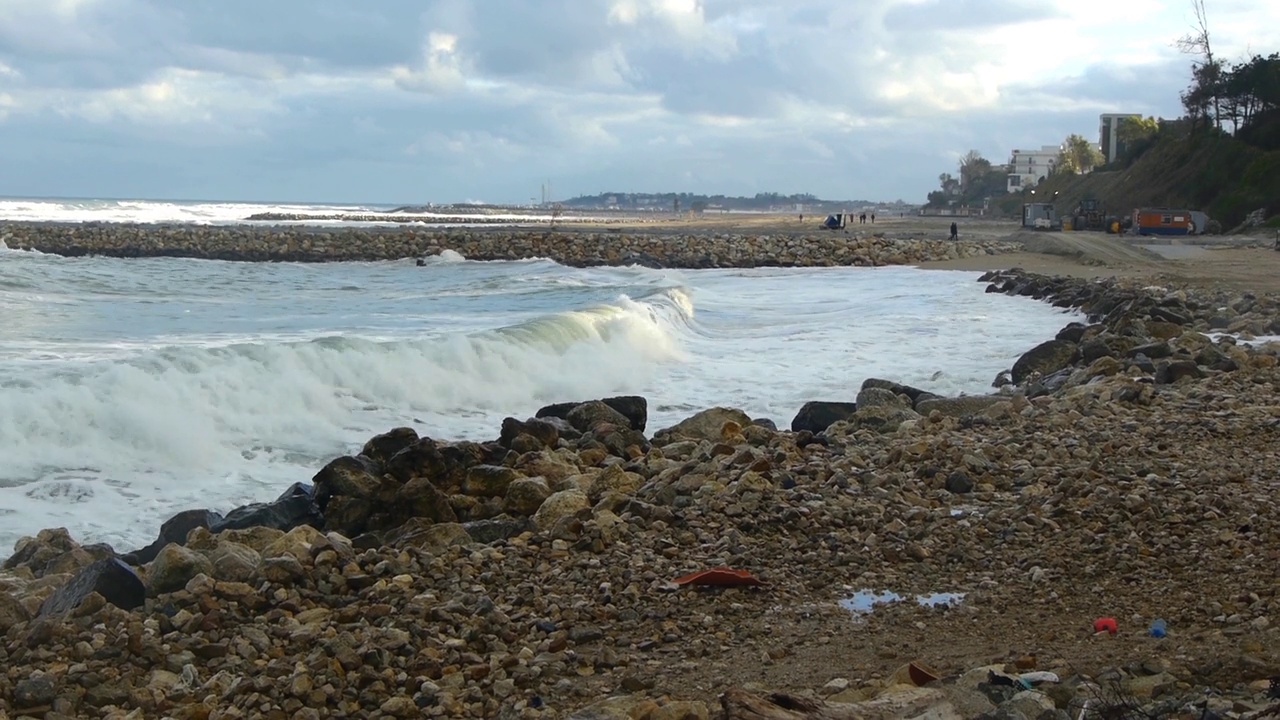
(1108,130)
(1029,168)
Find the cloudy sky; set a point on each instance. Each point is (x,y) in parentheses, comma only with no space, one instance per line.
(450,100)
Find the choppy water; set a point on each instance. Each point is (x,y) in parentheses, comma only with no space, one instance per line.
(70,210)
(131,389)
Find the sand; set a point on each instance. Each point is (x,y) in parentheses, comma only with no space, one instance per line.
(1245,262)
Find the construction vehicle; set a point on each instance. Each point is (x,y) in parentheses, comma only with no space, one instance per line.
(1089,215)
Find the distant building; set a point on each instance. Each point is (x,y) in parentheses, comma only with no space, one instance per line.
(1108,132)
(1029,168)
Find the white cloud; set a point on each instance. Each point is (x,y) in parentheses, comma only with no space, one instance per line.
(864,98)
(440,71)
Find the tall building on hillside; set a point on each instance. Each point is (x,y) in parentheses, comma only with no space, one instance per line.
(1108,131)
(1029,168)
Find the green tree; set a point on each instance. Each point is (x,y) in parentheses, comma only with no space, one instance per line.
(972,166)
(1078,156)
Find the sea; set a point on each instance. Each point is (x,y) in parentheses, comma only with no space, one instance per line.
(132,389)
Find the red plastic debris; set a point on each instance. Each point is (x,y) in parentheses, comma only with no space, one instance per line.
(1106,624)
(720,577)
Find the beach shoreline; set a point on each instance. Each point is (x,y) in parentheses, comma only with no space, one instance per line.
(1098,488)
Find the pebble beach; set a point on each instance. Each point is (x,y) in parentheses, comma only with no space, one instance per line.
(1122,470)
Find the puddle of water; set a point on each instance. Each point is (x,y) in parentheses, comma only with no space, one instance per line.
(940,599)
(864,602)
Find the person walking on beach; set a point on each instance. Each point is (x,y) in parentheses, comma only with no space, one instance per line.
(955,232)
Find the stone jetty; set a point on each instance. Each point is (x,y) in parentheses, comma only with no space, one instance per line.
(1126,476)
(576,248)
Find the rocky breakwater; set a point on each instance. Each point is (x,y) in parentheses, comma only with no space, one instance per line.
(304,244)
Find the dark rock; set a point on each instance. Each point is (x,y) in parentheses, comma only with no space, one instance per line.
(1049,384)
(1210,356)
(488,480)
(1095,349)
(633,407)
(1072,333)
(1219,322)
(765,423)
(421,498)
(110,578)
(382,448)
(444,464)
(959,483)
(1172,371)
(588,415)
(354,477)
(881,397)
(51,550)
(348,515)
(174,530)
(1143,363)
(545,433)
(1155,350)
(295,507)
(616,439)
(818,415)
(497,528)
(1045,359)
(895,388)
(641,259)
(1169,315)
(35,691)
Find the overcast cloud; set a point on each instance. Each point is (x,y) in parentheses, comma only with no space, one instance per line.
(450,100)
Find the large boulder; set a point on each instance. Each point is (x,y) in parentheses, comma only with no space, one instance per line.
(896,388)
(174,530)
(111,578)
(962,406)
(53,552)
(301,543)
(173,567)
(563,504)
(633,407)
(353,477)
(424,534)
(1044,359)
(590,415)
(488,480)
(526,495)
(444,464)
(12,612)
(1171,371)
(614,479)
(706,425)
(295,506)
(234,562)
(502,527)
(382,448)
(883,418)
(818,415)
(617,440)
(540,434)
(421,498)
(870,397)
